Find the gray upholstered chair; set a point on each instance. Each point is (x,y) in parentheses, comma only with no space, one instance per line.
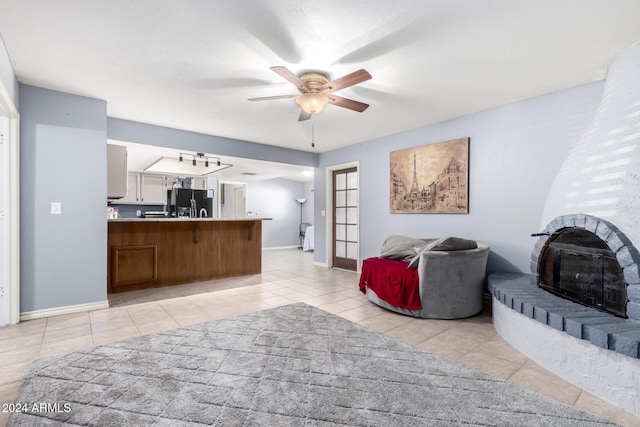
(451,284)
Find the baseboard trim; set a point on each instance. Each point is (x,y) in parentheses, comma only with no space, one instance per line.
(320,264)
(48,312)
(273,248)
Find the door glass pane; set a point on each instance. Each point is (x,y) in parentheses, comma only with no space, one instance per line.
(352,251)
(341,182)
(352,198)
(352,233)
(341,198)
(352,180)
(352,215)
(341,249)
(341,215)
(341,232)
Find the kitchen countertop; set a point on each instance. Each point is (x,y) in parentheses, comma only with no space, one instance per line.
(187,219)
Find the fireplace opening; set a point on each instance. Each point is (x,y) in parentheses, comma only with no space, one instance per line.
(577,265)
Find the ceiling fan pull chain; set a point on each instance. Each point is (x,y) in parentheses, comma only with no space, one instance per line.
(313,135)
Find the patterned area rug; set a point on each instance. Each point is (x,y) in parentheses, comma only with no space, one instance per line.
(294,365)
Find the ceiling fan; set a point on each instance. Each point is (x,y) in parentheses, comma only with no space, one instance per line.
(317,91)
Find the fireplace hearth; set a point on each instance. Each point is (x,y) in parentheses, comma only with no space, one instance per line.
(576,264)
(586,345)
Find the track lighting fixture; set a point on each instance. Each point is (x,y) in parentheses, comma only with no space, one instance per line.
(197,156)
(201,164)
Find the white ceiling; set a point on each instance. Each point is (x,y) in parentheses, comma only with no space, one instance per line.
(192,64)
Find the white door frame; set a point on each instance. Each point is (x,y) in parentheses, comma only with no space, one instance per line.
(329,210)
(9,211)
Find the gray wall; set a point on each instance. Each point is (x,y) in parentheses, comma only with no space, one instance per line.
(141,133)
(63,159)
(276,199)
(308,207)
(7,76)
(515,152)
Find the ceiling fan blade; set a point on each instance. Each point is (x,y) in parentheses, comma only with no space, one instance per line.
(285,73)
(268,98)
(304,115)
(347,103)
(346,81)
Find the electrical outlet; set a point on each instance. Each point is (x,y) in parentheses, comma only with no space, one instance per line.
(138,212)
(56,208)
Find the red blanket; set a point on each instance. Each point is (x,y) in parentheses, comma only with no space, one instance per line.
(392,281)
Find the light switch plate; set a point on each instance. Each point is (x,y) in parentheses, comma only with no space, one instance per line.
(56,208)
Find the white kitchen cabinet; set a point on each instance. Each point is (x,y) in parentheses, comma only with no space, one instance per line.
(145,189)
(199,183)
(153,189)
(132,190)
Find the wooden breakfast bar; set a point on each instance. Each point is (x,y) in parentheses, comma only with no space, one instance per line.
(153,252)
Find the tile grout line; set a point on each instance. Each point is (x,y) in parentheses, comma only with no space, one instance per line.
(170,316)
(577,397)
(516,371)
(93,342)
(133,321)
(44,331)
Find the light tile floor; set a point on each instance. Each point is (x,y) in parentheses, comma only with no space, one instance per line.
(288,276)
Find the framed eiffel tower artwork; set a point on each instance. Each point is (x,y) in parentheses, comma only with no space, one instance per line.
(432,178)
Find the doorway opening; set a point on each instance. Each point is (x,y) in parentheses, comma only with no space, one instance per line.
(232,199)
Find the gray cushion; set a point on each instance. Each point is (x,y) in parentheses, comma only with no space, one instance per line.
(442,244)
(451,244)
(400,247)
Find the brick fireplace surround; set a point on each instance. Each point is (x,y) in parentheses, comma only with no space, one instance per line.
(597,351)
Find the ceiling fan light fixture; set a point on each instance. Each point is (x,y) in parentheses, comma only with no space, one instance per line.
(312,102)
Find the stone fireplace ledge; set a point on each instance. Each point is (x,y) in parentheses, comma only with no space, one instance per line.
(519,292)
